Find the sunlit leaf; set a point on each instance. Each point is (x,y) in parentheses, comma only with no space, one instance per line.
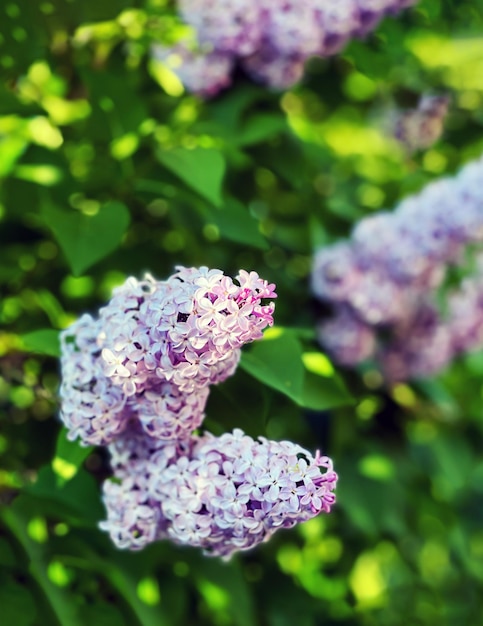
(69,456)
(277,363)
(65,498)
(11,149)
(44,341)
(225,589)
(236,224)
(86,239)
(201,169)
(44,175)
(320,393)
(61,607)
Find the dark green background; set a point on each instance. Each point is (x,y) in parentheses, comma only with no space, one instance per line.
(107,170)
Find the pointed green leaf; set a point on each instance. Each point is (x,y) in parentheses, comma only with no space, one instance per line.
(18,604)
(225,585)
(260,128)
(67,499)
(64,610)
(201,169)
(69,456)
(321,393)
(11,149)
(277,363)
(44,341)
(86,239)
(236,223)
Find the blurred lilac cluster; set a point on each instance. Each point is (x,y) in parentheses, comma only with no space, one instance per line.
(222,494)
(421,127)
(383,283)
(137,380)
(155,349)
(270,39)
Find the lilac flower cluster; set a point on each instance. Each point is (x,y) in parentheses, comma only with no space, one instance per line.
(270,39)
(155,349)
(433,340)
(222,494)
(383,283)
(420,128)
(137,378)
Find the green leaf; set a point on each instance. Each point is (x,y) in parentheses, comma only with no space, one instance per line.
(7,556)
(260,128)
(18,605)
(277,362)
(45,175)
(65,500)
(102,613)
(44,341)
(69,456)
(437,393)
(63,608)
(201,169)
(11,149)
(236,223)
(224,586)
(321,393)
(228,110)
(86,239)
(125,572)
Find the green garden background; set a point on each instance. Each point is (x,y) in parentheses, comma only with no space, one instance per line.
(108,168)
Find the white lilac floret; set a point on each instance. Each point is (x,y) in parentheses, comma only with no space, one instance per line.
(223,494)
(270,39)
(382,283)
(155,349)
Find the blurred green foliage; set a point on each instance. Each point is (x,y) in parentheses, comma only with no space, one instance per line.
(109,169)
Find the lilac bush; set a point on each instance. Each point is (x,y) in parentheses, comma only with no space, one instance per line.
(270,39)
(383,282)
(222,494)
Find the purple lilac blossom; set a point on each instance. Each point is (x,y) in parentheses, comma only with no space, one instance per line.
(223,494)
(228,25)
(154,351)
(384,281)
(203,73)
(92,408)
(419,348)
(420,128)
(270,39)
(188,331)
(348,338)
(465,315)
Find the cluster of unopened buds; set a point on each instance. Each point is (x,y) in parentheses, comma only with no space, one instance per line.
(269,39)
(384,283)
(136,379)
